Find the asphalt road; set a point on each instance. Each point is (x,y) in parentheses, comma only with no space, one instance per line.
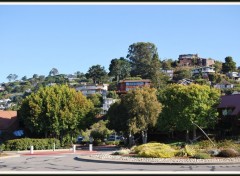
(71,163)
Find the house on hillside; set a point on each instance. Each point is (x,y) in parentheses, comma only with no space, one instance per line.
(234,75)
(89,89)
(203,70)
(229,115)
(125,85)
(194,59)
(224,85)
(107,102)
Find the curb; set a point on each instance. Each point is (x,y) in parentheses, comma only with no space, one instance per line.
(88,158)
(10,156)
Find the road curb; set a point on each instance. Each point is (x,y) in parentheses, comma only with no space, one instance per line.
(10,156)
(88,158)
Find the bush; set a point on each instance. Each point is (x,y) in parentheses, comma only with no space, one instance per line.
(205,144)
(112,142)
(189,150)
(228,153)
(202,156)
(122,152)
(155,150)
(25,143)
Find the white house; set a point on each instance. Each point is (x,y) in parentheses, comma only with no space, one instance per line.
(234,75)
(224,85)
(203,70)
(89,89)
(107,102)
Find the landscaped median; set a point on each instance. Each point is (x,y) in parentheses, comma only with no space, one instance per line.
(223,152)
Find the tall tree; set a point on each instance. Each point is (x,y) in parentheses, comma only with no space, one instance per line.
(24,78)
(218,66)
(119,68)
(143,109)
(183,105)
(12,77)
(96,73)
(229,65)
(167,64)
(53,72)
(55,111)
(141,55)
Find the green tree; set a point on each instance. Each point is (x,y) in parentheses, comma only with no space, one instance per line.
(117,116)
(181,74)
(183,105)
(112,94)
(55,111)
(119,68)
(218,66)
(53,72)
(96,73)
(229,65)
(143,110)
(141,55)
(167,64)
(96,99)
(12,77)
(24,78)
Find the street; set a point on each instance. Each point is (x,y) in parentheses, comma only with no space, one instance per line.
(72,163)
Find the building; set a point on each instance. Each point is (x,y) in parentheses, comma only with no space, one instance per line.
(203,70)
(107,102)
(194,60)
(8,121)
(229,115)
(125,85)
(224,85)
(89,89)
(168,73)
(234,75)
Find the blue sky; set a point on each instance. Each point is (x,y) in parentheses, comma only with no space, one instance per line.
(37,38)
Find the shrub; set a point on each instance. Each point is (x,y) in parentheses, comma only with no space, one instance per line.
(189,150)
(202,156)
(112,142)
(227,144)
(25,143)
(122,152)
(228,153)
(205,144)
(155,150)
(181,153)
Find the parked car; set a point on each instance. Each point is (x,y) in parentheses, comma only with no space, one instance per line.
(79,139)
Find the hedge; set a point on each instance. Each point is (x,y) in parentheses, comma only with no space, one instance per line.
(25,143)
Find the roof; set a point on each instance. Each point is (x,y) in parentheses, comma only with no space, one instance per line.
(233,101)
(141,80)
(7,118)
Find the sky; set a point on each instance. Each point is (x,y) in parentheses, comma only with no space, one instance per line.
(36,38)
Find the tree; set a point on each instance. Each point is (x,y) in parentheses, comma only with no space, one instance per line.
(55,111)
(167,64)
(35,76)
(159,79)
(119,68)
(141,55)
(143,110)
(181,74)
(229,65)
(117,116)
(12,77)
(80,75)
(24,78)
(112,94)
(53,72)
(96,73)
(183,105)
(218,66)
(96,99)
